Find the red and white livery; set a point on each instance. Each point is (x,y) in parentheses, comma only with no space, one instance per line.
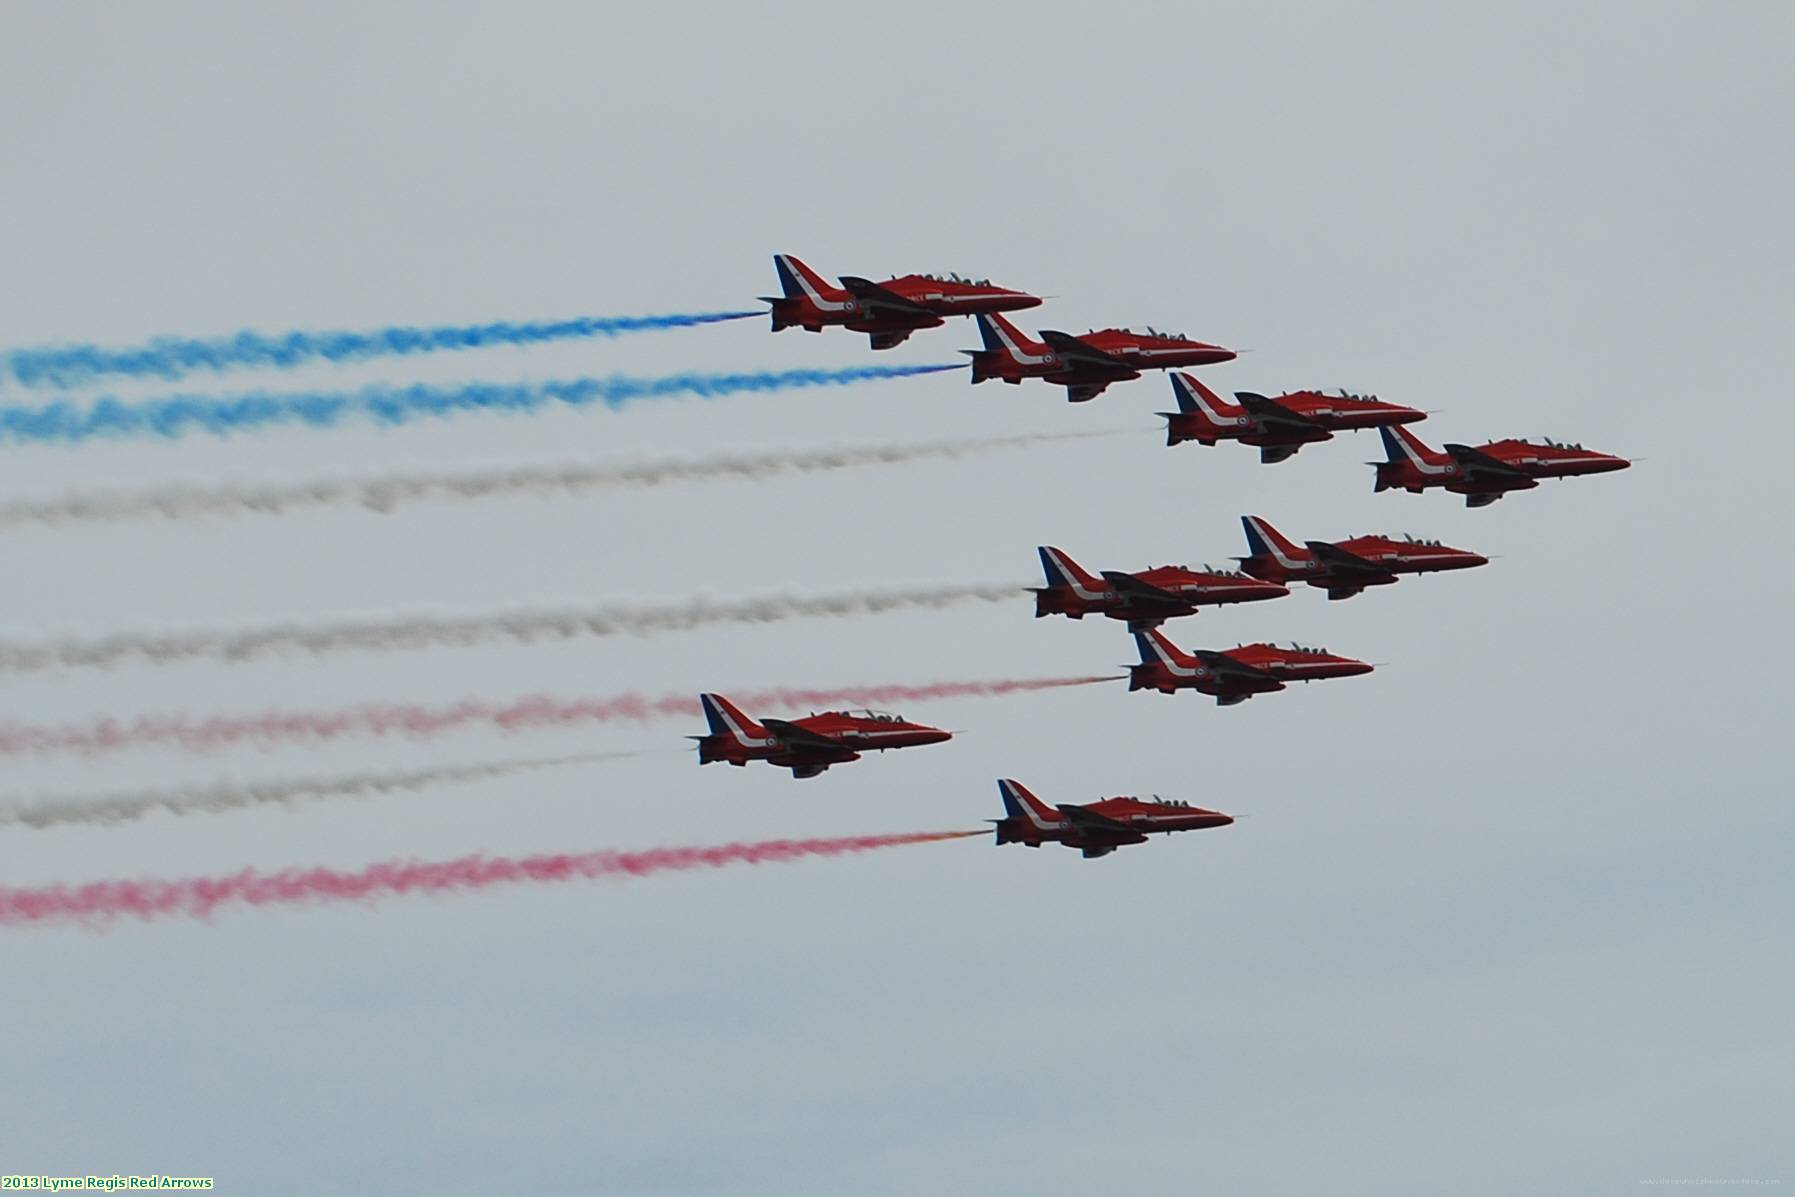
(1279,425)
(1343,568)
(889,311)
(1087,363)
(1145,599)
(806,746)
(1094,828)
(1236,674)
(1483,473)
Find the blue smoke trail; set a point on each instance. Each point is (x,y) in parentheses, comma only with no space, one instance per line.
(182,415)
(174,357)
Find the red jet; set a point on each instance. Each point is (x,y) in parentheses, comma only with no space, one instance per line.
(1145,599)
(890,311)
(1235,675)
(806,746)
(1487,472)
(1280,425)
(1094,828)
(1345,567)
(1085,364)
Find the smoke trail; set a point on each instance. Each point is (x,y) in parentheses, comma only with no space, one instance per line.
(526,627)
(120,808)
(385,494)
(182,415)
(417,722)
(176,357)
(100,902)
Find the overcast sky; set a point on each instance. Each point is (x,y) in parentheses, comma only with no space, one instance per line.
(1511,914)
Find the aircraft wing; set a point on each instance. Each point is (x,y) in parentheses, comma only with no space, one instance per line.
(1144,594)
(1274,417)
(878,301)
(1227,669)
(1476,464)
(890,340)
(1092,823)
(1343,564)
(1084,392)
(798,736)
(1086,358)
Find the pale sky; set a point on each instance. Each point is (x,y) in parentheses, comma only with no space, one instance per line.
(1509,915)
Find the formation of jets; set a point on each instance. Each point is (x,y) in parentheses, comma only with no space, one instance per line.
(1279,426)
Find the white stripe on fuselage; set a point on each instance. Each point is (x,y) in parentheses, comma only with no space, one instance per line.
(1202,400)
(1028,809)
(1177,670)
(1071,576)
(1415,458)
(1271,543)
(735,729)
(810,292)
(1015,350)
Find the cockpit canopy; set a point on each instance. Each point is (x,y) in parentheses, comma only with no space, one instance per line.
(1408,538)
(1150,331)
(951,277)
(873,716)
(1294,647)
(1206,568)
(1170,801)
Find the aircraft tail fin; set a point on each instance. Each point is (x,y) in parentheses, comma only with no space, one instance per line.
(992,328)
(1019,803)
(1061,570)
(1401,445)
(1155,649)
(797,280)
(1193,397)
(1263,540)
(727,720)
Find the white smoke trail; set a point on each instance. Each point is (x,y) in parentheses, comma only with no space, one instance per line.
(384,494)
(228,796)
(521,627)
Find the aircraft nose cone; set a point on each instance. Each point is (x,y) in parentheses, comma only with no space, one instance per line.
(1476,559)
(1023,299)
(933,735)
(1355,668)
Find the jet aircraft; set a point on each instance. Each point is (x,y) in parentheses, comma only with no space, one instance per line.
(1483,473)
(1083,364)
(889,311)
(1145,599)
(1279,426)
(1235,675)
(806,746)
(1345,567)
(1094,828)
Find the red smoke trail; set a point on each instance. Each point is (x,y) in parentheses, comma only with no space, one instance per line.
(200,735)
(197,897)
